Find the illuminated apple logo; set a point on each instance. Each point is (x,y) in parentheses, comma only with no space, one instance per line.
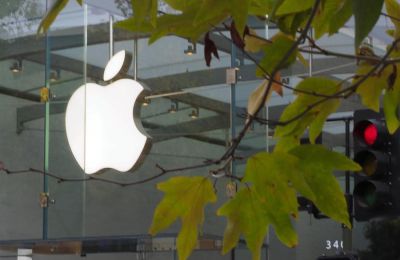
(102,122)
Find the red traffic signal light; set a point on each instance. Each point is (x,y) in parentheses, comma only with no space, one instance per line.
(369,132)
(375,193)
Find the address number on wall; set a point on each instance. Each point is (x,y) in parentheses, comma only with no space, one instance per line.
(333,244)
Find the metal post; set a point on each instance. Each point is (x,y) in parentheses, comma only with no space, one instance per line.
(347,233)
(233,254)
(233,103)
(135,58)
(267,240)
(310,55)
(46,136)
(111,40)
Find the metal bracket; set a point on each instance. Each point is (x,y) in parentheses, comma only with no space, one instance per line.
(44,199)
(231,76)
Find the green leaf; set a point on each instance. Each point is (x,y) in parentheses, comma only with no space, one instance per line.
(275,184)
(270,174)
(254,43)
(286,143)
(326,20)
(51,15)
(132,24)
(391,102)
(210,9)
(181,5)
(185,197)
(240,11)
(274,52)
(245,216)
(264,170)
(317,163)
(315,117)
(145,10)
(393,10)
(80,2)
(341,17)
(290,24)
(366,14)
(172,24)
(261,7)
(316,126)
(294,6)
(371,89)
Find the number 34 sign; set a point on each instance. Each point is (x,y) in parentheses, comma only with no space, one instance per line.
(333,244)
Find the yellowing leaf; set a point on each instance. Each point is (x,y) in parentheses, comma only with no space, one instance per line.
(302,60)
(254,43)
(276,183)
(371,89)
(210,9)
(331,16)
(145,10)
(181,5)
(393,10)
(245,216)
(341,16)
(316,126)
(255,98)
(286,143)
(51,15)
(185,198)
(276,169)
(274,53)
(260,7)
(317,163)
(239,10)
(294,6)
(391,102)
(309,92)
(264,171)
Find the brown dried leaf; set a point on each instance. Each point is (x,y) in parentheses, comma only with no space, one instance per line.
(209,49)
(255,98)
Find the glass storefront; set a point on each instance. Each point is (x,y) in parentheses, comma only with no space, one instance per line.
(191,115)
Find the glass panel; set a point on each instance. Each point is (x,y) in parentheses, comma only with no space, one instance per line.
(21,139)
(65,213)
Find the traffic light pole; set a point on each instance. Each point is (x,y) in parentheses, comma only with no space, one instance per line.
(347,235)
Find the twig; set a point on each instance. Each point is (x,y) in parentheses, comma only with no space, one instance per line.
(237,140)
(59,179)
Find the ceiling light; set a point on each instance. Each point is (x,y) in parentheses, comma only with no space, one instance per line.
(195,113)
(174,107)
(146,102)
(191,49)
(16,67)
(55,76)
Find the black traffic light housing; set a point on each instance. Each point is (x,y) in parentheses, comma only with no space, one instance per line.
(377,187)
(339,257)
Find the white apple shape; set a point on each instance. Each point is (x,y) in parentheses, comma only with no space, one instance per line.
(103,127)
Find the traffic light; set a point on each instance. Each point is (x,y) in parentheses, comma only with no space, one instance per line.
(339,257)
(376,188)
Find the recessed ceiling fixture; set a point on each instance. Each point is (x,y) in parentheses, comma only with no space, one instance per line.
(146,102)
(191,49)
(195,113)
(16,67)
(174,107)
(55,75)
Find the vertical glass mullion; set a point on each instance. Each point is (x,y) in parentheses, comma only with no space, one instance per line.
(46,134)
